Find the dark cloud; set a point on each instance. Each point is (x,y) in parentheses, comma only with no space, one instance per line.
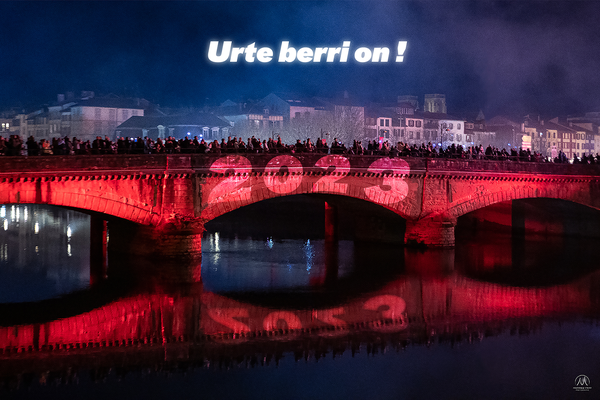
(514,56)
(528,54)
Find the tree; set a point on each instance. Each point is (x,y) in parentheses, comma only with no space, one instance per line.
(345,123)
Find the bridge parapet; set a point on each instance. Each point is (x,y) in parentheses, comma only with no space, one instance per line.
(199,163)
(439,165)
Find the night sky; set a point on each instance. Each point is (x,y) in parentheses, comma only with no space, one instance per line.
(513,57)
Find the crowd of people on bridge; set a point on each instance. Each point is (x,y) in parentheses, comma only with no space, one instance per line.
(14,146)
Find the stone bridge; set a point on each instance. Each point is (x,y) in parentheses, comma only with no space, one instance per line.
(175,195)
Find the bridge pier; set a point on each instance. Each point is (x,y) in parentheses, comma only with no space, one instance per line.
(98,243)
(172,252)
(437,231)
(331,244)
(331,222)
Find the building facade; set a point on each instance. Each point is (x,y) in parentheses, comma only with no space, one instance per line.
(201,125)
(100,117)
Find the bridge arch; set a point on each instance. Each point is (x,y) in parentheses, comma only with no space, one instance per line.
(315,215)
(387,191)
(90,193)
(233,181)
(526,190)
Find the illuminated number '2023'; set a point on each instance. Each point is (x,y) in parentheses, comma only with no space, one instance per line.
(327,183)
(280,184)
(241,168)
(398,188)
(391,190)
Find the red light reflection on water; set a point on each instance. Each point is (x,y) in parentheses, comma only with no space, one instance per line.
(420,300)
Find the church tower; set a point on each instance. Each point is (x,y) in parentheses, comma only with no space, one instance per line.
(435,103)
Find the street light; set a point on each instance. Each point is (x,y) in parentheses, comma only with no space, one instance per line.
(444,135)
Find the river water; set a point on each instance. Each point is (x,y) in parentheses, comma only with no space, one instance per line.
(498,317)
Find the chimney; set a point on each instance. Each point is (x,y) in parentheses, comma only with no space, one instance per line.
(87,94)
(542,122)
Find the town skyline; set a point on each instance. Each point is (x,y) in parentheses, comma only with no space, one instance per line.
(342,120)
(211,104)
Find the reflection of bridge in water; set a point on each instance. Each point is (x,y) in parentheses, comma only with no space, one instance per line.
(203,328)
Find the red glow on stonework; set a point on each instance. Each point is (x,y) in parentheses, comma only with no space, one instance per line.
(151,190)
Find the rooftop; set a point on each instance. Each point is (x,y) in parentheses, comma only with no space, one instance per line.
(199,119)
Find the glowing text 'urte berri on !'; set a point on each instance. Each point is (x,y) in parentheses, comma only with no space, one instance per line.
(221,52)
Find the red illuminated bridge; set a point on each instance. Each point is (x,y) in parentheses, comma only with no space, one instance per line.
(173,196)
